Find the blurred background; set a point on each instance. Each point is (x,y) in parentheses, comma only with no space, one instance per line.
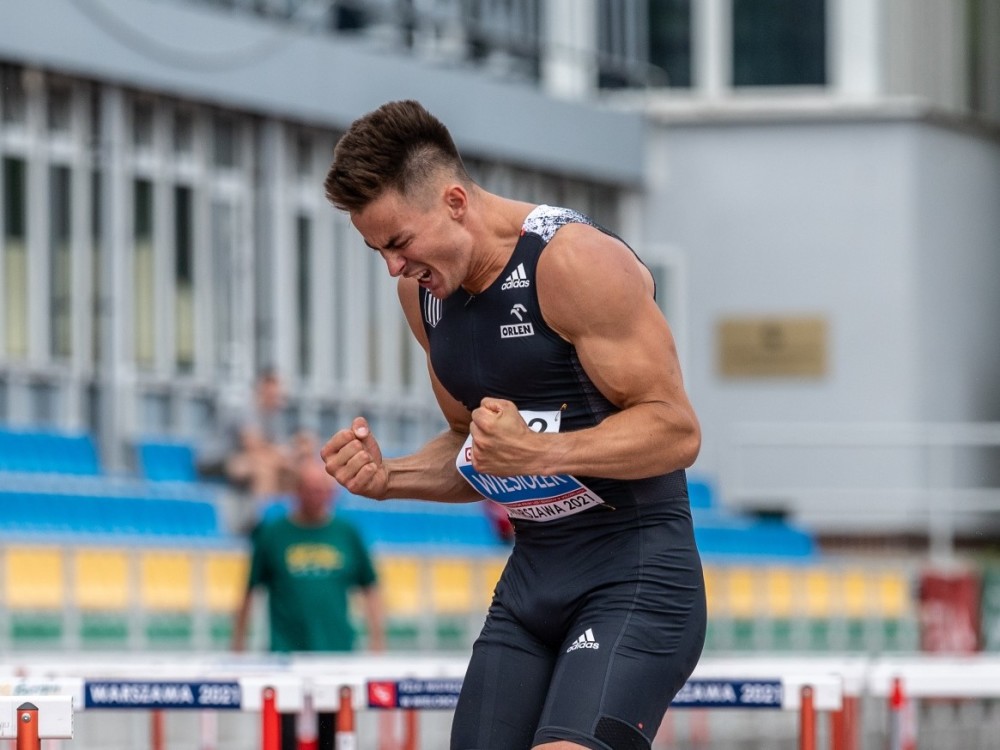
(814,183)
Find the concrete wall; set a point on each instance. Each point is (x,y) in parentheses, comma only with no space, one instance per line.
(957,246)
(885,225)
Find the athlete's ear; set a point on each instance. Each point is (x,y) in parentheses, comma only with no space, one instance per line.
(457,200)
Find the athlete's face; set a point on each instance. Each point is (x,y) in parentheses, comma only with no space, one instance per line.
(420,237)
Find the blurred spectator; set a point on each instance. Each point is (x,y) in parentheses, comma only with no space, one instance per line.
(309,563)
(254,455)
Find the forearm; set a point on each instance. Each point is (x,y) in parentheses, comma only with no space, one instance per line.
(374,616)
(430,473)
(240,619)
(639,442)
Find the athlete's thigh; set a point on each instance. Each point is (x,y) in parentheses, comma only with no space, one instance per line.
(504,688)
(621,666)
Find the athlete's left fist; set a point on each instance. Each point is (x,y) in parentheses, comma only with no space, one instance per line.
(501,441)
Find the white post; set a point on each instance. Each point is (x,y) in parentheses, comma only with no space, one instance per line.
(569,69)
(855,57)
(713,47)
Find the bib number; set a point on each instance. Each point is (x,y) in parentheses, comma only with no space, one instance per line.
(533,497)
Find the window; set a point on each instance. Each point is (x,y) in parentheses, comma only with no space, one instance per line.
(225,142)
(224,280)
(142,125)
(184,277)
(144,274)
(97,270)
(184,133)
(60,269)
(670,43)
(303,156)
(60,108)
(15,256)
(779,42)
(12,95)
(304,245)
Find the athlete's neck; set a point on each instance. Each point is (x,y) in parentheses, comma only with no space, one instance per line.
(496,227)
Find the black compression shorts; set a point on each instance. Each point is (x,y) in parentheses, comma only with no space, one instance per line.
(589,641)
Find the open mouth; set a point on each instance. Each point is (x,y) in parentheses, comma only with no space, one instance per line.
(424,277)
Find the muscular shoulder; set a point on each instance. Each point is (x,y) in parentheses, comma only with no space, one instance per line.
(585,271)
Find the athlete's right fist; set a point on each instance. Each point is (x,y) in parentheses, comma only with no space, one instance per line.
(353,457)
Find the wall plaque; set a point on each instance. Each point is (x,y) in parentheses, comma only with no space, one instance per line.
(772,347)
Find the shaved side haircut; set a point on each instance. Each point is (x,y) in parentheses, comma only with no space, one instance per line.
(398,146)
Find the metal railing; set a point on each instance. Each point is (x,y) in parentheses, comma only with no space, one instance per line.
(939,480)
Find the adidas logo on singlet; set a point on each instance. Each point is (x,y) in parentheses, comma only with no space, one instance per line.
(517,279)
(586,640)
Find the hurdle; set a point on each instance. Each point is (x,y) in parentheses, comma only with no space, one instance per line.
(902,680)
(805,693)
(347,684)
(29,719)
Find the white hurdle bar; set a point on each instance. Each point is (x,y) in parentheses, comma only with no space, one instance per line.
(44,717)
(234,682)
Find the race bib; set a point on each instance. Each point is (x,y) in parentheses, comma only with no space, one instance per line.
(532,497)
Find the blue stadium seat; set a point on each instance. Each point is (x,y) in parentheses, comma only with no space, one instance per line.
(700,493)
(414,524)
(166,461)
(49,451)
(57,515)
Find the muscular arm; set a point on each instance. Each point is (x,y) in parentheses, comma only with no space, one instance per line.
(430,473)
(626,348)
(354,458)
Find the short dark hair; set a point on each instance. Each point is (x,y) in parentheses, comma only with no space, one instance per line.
(397,146)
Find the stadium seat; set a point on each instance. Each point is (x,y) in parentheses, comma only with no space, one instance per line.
(48,451)
(34,578)
(166,581)
(160,460)
(700,493)
(400,580)
(491,569)
(451,583)
(101,579)
(224,577)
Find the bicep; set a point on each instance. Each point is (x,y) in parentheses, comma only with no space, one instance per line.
(634,361)
(622,338)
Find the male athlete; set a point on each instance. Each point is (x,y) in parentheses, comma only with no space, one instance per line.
(559,379)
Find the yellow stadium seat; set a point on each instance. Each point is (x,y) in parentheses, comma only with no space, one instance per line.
(401,585)
(713,591)
(166,580)
(854,590)
(224,580)
(741,597)
(490,572)
(894,594)
(34,578)
(818,593)
(451,586)
(101,579)
(780,592)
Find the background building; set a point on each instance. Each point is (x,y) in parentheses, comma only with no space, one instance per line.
(814,183)
(824,169)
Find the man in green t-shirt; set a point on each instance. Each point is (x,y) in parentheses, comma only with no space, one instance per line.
(309,562)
